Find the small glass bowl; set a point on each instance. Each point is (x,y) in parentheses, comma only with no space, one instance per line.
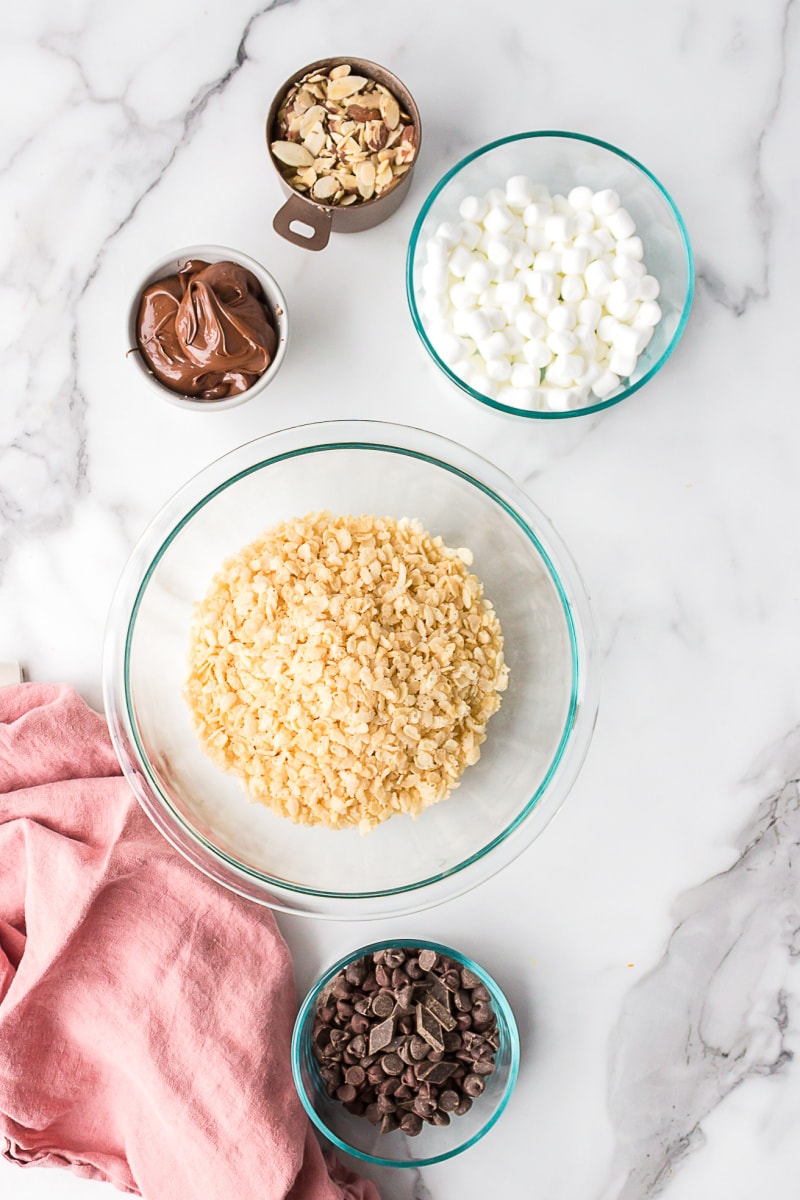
(355,1135)
(563,161)
(535,744)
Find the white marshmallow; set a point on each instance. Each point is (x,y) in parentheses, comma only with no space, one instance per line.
(511,312)
(624,310)
(483,244)
(530,324)
(461,259)
(598,278)
(621,292)
(449,232)
(511,292)
(437,251)
(562,342)
(435,279)
(606,327)
(536,238)
(574,260)
(565,369)
(537,213)
(605,202)
(544,305)
(539,284)
(517,397)
(590,375)
(628,340)
(515,340)
(587,340)
(461,296)
(554,399)
(605,238)
(546,261)
(621,224)
(475,324)
(632,247)
(646,333)
(589,312)
(560,227)
(495,316)
(605,385)
(584,222)
(591,244)
(561,318)
(522,256)
(498,219)
(461,321)
(501,273)
(537,353)
(495,196)
(493,347)
(434,305)
(478,277)
(519,191)
(573,289)
(516,231)
(473,208)
(581,198)
(524,376)
(483,384)
(561,204)
(627,268)
(499,250)
(621,364)
(649,313)
(471,234)
(649,288)
(451,349)
(499,369)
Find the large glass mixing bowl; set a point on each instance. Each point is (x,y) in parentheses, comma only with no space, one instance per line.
(535,744)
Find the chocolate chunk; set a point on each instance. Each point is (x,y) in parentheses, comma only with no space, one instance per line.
(452,980)
(429,1028)
(438,1011)
(428,959)
(437,1072)
(381,1035)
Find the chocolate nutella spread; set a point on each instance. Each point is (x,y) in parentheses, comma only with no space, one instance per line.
(206,331)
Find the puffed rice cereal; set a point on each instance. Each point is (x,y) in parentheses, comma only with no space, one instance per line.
(344,668)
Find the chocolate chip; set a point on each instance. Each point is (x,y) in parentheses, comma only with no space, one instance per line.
(483,1066)
(394,957)
(419,1048)
(346,1092)
(356,1076)
(389,1123)
(356,972)
(482,1015)
(469,979)
(413,969)
(428,959)
(464,1105)
(440,1118)
(449,1101)
(386,1104)
(383,1004)
(392,1064)
(411,1124)
(473,1085)
(382,976)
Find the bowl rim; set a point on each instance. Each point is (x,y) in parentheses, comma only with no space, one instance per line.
(416,317)
(273,294)
(499,1001)
(172,517)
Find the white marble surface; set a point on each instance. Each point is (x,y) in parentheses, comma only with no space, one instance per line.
(649,940)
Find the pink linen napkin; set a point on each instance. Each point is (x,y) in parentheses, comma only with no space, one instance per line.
(145,1012)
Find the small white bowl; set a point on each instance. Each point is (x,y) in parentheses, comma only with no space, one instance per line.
(275,301)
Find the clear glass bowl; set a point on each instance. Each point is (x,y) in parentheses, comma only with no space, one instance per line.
(535,743)
(355,1135)
(562,161)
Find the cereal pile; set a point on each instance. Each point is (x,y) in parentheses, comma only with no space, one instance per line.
(345,668)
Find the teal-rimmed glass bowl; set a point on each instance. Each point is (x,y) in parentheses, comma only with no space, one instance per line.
(535,743)
(561,161)
(355,1135)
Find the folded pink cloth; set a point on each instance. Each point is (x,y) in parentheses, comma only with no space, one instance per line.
(145,1012)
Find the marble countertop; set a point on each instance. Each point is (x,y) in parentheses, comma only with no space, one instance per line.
(649,940)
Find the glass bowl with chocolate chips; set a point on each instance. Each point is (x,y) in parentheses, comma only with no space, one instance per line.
(405,1053)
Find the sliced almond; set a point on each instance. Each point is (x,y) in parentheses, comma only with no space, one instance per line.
(383,177)
(348,85)
(313,116)
(314,140)
(365,174)
(359,112)
(390,110)
(293,154)
(303,101)
(325,188)
(348,181)
(308,176)
(340,71)
(349,198)
(376,134)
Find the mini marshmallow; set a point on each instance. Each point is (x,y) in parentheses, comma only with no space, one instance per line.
(435,279)
(515,340)
(536,238)
(478,277)
(581,198)
(518,397)
(475,324)
(460,321)
(501,273)
(495,196)
(554,399)
(628,340)
(461,259)
(622,292)
(516,229)
(592,245)
(461,296)
(544,305)
(511,312)
(561,204)
(539,284)
(524,376)
(605,385)
(493,347)
(624,310)
(546,261)
(649,313)
(587,340)
(627,268)
(499,250)
(605,202)
(434,305)
(646,332)
(584,222)
(451,349)
(590,375)
(606,327)
(560,227)
(621,224)
(598,278)
(589,312)
(632,247)
(537,213)
(483,243)
(473,208)
(605,238)
(519,191)
(522,256)
(449,232)
(565,369)
(574,260)
(537,353)
(530,324)
(562,342)
(621,364)
(562,318)
(471,234)
(437,251)
(499,369)
(573,289)
(511,292)
(495,316)
(649,288)
(498,219)
(483,384)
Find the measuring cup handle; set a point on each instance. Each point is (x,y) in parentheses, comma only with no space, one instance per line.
(318,219)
